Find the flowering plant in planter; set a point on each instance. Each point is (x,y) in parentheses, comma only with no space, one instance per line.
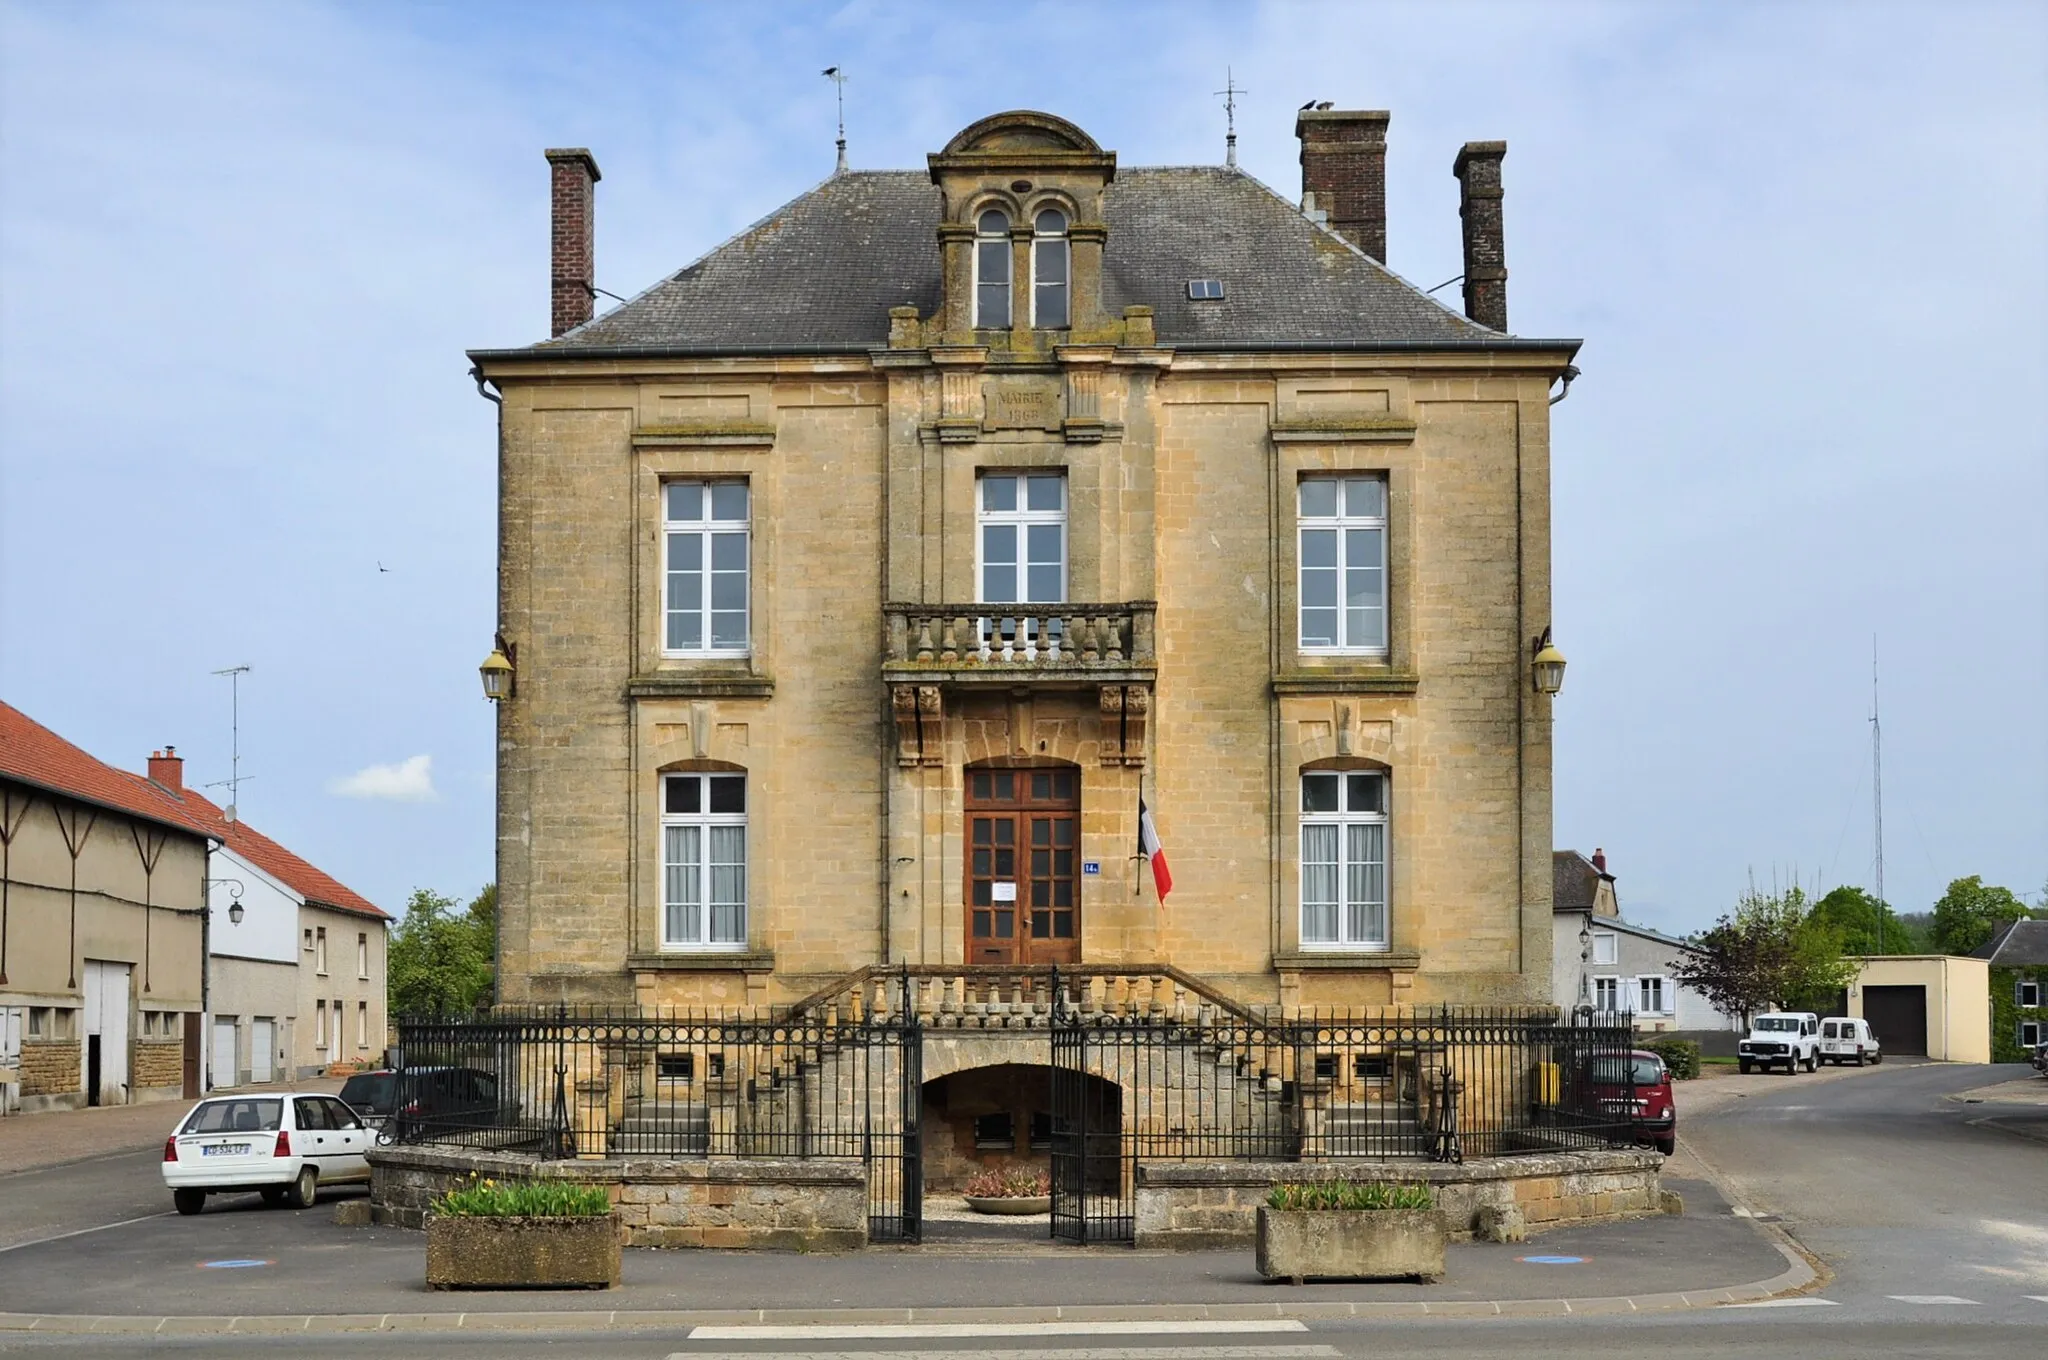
(1010,1190)
(545,1234)
(1342,1229)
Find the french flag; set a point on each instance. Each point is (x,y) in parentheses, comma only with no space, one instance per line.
(1150,847)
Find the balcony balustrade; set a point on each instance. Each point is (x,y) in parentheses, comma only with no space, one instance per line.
(1003,643)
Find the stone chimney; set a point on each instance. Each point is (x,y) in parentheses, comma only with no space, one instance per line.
(167,767)
(572,172)
(1344,173)
(1486,260)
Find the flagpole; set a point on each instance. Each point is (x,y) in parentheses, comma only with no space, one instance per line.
(1138,875)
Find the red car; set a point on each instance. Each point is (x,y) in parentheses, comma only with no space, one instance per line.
(1639,1085)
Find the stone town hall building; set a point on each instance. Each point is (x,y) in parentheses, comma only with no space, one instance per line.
(859,579)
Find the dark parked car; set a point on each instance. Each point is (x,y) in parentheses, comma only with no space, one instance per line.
(1638,1085)
(420,1102)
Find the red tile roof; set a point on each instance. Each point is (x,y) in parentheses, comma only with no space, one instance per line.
(35,755)
(315,886)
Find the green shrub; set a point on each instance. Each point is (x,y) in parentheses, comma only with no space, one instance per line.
(1349,1195)
(1682,1056)
(524,1199)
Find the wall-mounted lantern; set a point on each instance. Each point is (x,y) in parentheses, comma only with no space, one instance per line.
(497,671)
(1546,666)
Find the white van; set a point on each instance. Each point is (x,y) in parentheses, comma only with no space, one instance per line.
(1788,1037)
(1844,1038)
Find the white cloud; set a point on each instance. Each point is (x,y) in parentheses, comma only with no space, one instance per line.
(409,781)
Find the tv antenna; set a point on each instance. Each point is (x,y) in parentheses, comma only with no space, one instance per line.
(838,79)
(234,780)
(1877,790)
(1230,91)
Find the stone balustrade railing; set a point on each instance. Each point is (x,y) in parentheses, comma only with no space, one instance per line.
(1085,637)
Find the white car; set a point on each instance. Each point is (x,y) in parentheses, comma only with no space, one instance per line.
(1788,1037)
(285,1146)
(1844,1039)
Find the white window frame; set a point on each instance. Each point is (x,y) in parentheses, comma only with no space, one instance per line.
(2020,989)
(982,237)
(362,1024)
(1364,920)
(1606,942)
(1343,525)
(362,954)
(706,528)
(320,951)
(677,874)
(320,1030)
(1612,985)
(1044,241)
(1663,1006)
(2026,1040)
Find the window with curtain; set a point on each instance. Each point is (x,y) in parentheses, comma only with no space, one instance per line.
(992,270)
(1344,860)
(704,861)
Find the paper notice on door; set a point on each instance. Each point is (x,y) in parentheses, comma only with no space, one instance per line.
(1003,892)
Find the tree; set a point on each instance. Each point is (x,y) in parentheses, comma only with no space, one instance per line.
(1862,924)
(1970,912)
(442,957)
(1773,951)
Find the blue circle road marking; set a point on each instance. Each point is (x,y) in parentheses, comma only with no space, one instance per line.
(238,1264)
(1552,1260)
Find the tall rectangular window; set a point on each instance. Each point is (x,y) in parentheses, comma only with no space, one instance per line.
(704,583)
(1344,860)
(1603,946)
(704,861)
(1049,263)
(320,951)
(1342,556)
(2027,992)
(320,1033)
(362,955)
(362,1024)
(1650,995)
(1023,538)
(1607,994)
(992,270)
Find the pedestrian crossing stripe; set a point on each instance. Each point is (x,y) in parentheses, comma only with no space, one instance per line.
(1933,1298)
(884,1331)
(1236,1352)
(1786,1303)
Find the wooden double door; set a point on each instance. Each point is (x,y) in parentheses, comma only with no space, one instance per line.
(1023,869)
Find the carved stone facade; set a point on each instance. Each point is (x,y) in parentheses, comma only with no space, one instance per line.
(877,676)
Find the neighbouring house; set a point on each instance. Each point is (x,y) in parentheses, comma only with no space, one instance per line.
(1925,1005)
(1604,963)
(298,971)
(102,929)
(885,598)
(2018,959)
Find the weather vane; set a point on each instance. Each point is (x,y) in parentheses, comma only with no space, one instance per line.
(838,79)
(1230,91)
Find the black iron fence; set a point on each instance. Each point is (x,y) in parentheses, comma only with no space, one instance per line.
(1438,1085)
(569,1082)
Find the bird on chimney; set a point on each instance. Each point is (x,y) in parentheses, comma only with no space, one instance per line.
(1306,107)
(1326,104)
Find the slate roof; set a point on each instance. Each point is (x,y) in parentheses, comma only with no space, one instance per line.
(822,272)
(32,754)
(2017,944)
(1574,881)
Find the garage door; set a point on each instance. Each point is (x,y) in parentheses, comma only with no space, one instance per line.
(1899,1017)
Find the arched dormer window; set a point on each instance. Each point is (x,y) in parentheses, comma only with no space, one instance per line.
(1049,308)
(992,270)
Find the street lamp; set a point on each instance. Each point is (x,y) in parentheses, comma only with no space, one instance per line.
(1546,665)
(1585,1006)
(497,671)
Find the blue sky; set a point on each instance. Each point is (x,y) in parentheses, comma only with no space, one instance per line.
(243,247)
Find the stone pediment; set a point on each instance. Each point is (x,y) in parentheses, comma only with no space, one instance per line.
(1021,130)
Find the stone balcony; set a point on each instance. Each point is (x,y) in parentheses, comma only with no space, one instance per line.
(1063,645)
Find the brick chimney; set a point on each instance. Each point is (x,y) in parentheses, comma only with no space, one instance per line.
(1599,860)
(167,767)
(1344,173)
(1486,260)
(572,173)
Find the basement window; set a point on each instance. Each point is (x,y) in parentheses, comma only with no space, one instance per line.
(1205,290)
(1041,1130)
(1326,1067)
(676,1066)
(995,1132)
(1367,1067)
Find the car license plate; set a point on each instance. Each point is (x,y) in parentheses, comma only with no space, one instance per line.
(225,1149)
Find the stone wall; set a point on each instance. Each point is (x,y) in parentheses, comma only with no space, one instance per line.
(1211,1204)
(779,1206)
(50,1067)
(158,1064)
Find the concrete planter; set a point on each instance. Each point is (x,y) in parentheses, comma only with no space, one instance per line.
(523,1253)
(1013,1204)
(1352,1244)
